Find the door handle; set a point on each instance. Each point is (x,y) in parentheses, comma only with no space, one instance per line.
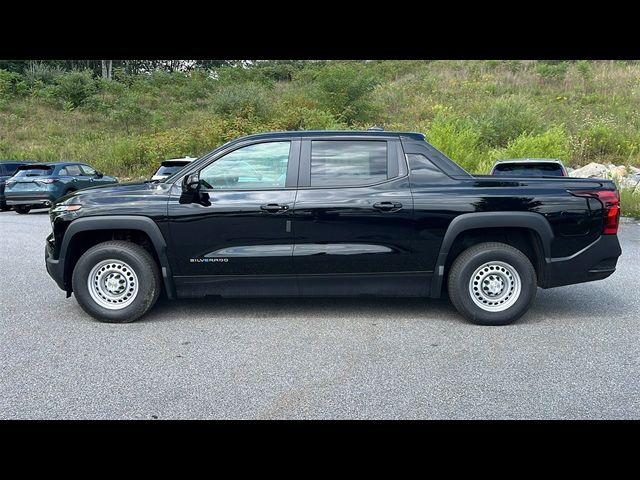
(387,206)
(274,207)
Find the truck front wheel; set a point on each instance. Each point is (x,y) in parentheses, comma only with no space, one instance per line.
(492,283)
(116,281)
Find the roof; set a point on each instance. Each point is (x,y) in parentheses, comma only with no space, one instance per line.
(531,160)
(51,164)
(332,133)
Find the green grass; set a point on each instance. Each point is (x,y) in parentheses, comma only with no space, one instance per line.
(630,203)
(475,111)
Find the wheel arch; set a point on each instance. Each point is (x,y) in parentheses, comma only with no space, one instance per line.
(468,223)
(102,228)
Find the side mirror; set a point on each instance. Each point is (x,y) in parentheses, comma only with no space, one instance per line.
(191,183)
(99,174)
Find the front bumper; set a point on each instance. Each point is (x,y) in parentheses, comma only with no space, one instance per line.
(55,267)
(595,262)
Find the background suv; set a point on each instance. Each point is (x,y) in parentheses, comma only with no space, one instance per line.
(171,166)
(7,169)
(39,184)
(530,167)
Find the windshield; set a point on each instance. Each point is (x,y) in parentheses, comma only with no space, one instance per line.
(34,172)
(529,169)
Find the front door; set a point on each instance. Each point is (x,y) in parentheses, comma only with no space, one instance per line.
(236,238)
(354,219)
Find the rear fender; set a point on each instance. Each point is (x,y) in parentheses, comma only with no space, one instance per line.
(470,221)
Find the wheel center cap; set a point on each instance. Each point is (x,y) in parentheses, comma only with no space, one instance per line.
(495,286)
(113,285)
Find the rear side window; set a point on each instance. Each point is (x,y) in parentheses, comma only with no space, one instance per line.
(348,162)
(528,169)
(423,170)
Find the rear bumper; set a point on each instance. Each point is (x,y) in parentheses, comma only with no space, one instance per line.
(45,199)
(55,267)
(595,262)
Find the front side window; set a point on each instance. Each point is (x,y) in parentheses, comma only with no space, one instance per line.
(73,170)
(348,162)
(88,170)
(263,165)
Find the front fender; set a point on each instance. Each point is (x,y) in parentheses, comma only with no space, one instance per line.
(119,222)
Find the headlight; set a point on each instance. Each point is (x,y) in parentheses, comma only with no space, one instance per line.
(66,208)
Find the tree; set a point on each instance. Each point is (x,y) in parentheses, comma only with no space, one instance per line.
(107,67)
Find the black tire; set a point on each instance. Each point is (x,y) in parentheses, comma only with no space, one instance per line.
(461,283)
(22,209)
(4,207)
(140,261)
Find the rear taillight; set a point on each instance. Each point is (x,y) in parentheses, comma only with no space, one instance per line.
(48,180)
(611,202)
(10,182)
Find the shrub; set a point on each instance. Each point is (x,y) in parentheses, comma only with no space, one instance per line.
(128,113)
(601,139)
(630,202)
(553,143)
(38,73)
(74,88)
(8,83)
(584,70)
(553,69)
(294,117)
(456,139)
(243,99)
(506,119)
(343,89)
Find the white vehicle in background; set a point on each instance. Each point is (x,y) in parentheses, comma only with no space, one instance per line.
(171,166)
(530,167)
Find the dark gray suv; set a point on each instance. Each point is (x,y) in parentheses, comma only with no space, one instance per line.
(7,170)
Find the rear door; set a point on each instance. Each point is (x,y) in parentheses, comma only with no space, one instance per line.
(353,218)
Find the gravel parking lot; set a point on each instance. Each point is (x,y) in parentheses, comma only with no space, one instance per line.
(576,354)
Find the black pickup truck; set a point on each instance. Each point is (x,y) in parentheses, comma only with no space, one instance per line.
(332,213)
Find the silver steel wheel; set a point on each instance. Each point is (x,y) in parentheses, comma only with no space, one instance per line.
(113,284)
(495,286)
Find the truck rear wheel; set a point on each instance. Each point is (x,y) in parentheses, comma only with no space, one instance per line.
(492,284)
(116,281)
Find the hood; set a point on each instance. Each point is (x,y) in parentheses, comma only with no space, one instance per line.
(119,197)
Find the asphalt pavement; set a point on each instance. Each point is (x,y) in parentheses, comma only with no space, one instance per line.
(576,354)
